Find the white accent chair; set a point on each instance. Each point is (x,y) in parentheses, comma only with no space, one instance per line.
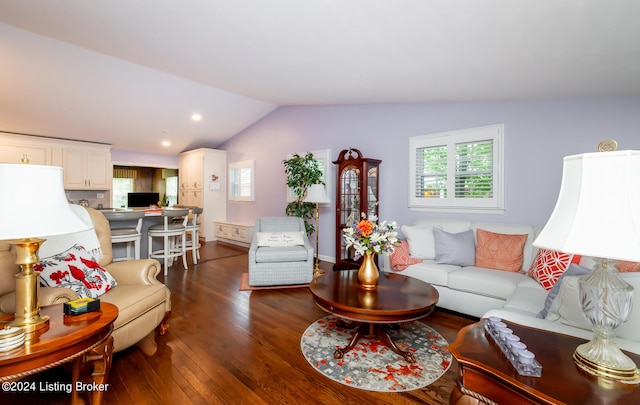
(280,265)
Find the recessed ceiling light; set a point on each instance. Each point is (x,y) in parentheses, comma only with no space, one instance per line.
(196,117)
(166,143)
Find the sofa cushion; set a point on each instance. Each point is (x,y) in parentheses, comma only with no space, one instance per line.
(421,241)
(526,300)
(280,254)
(454,248)
(491,283)
(75,268)
(280,238)
(431,272)
(400,258)
(549,265)
(499,251)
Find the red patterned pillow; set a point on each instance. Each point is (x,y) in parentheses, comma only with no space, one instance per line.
(549,265)
(400,258)
(75,269)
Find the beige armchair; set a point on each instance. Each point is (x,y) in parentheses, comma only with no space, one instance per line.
(144,303)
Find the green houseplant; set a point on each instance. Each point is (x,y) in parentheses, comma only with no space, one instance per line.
(302,172)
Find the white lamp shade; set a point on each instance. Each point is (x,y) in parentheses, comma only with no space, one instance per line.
(317,194)
(34,204)
(598,210)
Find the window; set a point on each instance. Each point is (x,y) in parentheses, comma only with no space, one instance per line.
(172,190)
(121,188)
(459,170)
(241,181)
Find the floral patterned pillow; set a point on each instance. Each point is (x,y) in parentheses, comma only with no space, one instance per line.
(75,269)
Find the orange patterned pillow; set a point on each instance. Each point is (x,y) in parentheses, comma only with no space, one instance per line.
(499,251)
(624,266)
(400,258)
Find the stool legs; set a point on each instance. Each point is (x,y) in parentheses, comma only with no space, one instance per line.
(171,249)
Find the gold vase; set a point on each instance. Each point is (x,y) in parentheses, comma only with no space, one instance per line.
(368,273)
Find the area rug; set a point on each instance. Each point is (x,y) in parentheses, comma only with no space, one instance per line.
(371,365)
(244,285)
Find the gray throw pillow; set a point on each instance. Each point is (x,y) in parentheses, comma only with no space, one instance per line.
(455,248)
(573,270)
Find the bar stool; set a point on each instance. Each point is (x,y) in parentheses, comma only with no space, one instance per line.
(193,228)
(169,231)
(126,234)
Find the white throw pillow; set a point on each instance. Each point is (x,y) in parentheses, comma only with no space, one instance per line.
(275,239)
(566,308)
(421,241)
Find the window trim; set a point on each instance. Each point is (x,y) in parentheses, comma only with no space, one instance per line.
(494,205)
(245,164)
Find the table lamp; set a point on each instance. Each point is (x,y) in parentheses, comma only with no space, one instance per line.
(317,194)
(598,215)
(33,207)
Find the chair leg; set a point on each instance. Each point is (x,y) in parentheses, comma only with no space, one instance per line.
(136,247)
(165,249)
(184,251)
(194,247)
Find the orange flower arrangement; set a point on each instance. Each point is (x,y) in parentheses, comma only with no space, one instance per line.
(369,236)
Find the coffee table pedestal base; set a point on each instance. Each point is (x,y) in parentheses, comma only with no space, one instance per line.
(372,329)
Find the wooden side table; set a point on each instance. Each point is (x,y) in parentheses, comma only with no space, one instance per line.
(84,340)
(485,373)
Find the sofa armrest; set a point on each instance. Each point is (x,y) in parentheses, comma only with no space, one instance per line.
(143,271)
(55,295)
(46,296)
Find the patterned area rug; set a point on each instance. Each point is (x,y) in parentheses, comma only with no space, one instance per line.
(371,365)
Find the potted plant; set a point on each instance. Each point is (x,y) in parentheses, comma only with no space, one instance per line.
(302,172)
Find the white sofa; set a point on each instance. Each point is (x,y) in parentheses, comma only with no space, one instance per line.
(514,296)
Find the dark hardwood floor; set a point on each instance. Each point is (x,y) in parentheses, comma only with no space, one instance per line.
(227,346)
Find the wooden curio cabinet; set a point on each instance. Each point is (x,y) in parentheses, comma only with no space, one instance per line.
(356,193)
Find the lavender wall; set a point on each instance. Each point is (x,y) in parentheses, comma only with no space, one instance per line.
(537,135)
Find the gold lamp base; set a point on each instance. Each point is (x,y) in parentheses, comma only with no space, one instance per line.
(27,316)
(625,372)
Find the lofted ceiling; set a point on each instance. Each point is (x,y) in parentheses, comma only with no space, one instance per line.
(131,73)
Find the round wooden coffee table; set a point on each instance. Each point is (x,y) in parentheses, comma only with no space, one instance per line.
(397,299)
(84,340)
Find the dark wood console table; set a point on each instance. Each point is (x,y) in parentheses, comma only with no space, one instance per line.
(484,373)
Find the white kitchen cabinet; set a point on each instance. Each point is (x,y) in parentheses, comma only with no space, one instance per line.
(87,168)
(235,233)
(14,153)
(202,179)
